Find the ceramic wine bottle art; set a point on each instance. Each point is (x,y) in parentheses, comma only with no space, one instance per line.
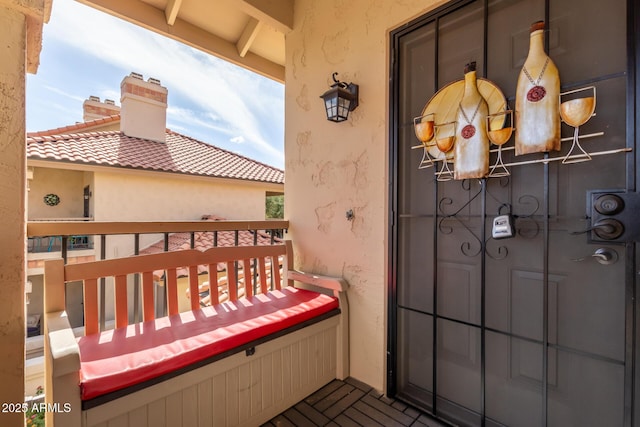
(471,155)
(537,99)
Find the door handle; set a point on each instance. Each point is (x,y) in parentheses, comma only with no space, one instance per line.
(586,230)
(604,256)
(606,229)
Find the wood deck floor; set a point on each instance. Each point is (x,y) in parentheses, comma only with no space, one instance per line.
(351,403)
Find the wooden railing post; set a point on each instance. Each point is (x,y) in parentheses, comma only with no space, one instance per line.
(103,285)
(54,295)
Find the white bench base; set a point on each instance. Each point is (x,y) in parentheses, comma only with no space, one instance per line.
(238,390)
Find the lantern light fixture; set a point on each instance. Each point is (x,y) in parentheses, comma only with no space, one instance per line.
(340,99)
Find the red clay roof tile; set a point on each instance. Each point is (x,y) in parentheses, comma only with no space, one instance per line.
(179,154)
(204,240)
(78,126)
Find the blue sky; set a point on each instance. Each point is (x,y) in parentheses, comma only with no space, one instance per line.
(87,52)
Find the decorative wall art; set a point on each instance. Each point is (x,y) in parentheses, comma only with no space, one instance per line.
(576,111)
(471,154)
(438,127)
(537,99)
(51,199)
(463,120)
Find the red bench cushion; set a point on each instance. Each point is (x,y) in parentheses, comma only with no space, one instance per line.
(116,359)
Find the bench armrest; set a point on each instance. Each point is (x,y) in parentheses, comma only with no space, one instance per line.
(338,286)
(61,370)
(65,353)
(335,284)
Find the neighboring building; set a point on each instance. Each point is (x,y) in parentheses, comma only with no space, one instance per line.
(122,164)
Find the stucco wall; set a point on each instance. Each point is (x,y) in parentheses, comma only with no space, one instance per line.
(66,184)
(149,197)
(12,210)
(333,167)
(119,196)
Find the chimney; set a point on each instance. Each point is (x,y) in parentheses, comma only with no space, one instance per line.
(93,109)
(144,108)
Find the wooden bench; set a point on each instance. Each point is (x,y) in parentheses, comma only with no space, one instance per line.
(240,362)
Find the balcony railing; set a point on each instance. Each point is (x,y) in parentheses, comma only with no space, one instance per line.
(68,235)
(54,243)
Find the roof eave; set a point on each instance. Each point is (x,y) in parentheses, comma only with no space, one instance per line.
(98,167)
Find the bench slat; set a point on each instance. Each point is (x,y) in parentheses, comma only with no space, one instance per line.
(264,258)
(90,299)
(164,260)
(275,265)
(193,287)
(248,279)
(232,281)
(172,291)
(214,289)
(148,306)
(264,280)
(122,314)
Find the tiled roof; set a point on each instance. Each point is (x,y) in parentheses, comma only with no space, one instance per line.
(78,127)
(205,240)
(179,154)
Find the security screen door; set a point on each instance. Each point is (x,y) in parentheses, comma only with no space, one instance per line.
(539,329)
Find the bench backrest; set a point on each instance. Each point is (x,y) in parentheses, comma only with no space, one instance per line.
(246,266)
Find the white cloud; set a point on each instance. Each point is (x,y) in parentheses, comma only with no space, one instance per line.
(196,118)
(65,94)
(238,139)
(177,128)
(108,93)
(64,109)
(232,97)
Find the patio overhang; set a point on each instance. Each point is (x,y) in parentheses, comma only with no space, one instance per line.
(248,33)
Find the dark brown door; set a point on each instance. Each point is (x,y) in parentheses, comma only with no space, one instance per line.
(538,329)
(87,201)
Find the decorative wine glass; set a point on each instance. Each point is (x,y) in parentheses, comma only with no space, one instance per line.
(445,134)
(499,130)
(576,111)
(423,127)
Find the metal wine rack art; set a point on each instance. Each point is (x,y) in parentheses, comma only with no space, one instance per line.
(438,138)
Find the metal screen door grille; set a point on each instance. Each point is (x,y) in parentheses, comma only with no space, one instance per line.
(532,330)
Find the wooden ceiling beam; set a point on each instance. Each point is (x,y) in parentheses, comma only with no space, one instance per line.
(248,36)
(276,13)
(171,11)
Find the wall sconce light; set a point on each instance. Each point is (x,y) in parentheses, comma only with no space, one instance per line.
(340,99)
